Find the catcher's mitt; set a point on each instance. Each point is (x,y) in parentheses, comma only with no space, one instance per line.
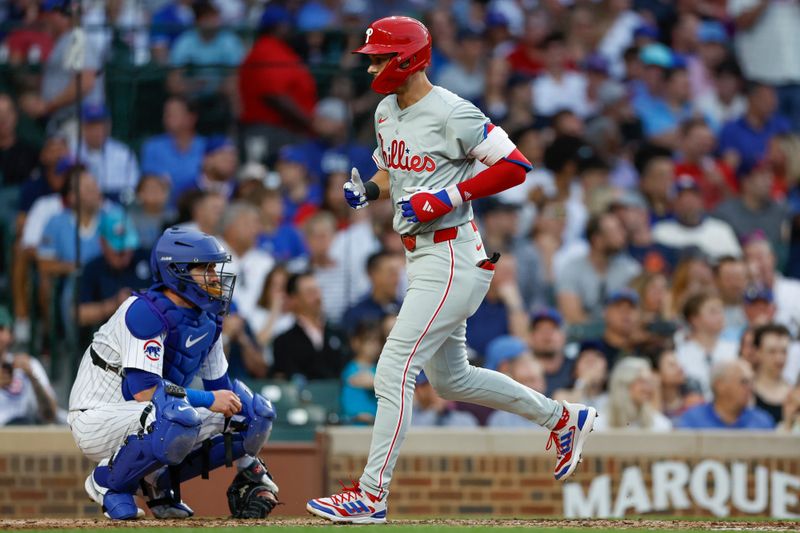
(252,493)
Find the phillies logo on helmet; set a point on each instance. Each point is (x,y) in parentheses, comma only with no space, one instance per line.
(152,350)
(400,157)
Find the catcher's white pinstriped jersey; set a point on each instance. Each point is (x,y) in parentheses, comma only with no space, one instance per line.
(116,345)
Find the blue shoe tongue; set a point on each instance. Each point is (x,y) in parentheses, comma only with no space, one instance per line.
(101,476)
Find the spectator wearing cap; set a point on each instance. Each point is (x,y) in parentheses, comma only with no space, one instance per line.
(18,159)
(431,410)
(151,212)
(730,280)
(26,396)
(692,227)
(725,103)
(632,391)
(218,173)
(280,238)
(241,226)
(714,177)
(204,60)
(760,257)
(711,51)
(656,178)
(167,24)
(730,404)
(631,208)
(584,283)
(58,91)
(299,193)
(178,152)
(546,340)
(278,92)
(703,345)
(558,87)
(465,75)
(766,42)
(123,266)
(596,67)
(622,326)
(331,149)
(755,209)
(589,374)
(744,141)
(383,270)
(665,102)
(502,312)
(111,162)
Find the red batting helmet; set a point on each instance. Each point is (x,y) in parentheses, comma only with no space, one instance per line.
(408,39)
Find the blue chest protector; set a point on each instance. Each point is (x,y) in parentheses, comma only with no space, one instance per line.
(190,333)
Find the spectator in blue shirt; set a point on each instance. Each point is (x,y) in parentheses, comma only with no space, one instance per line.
(56,255)
(359,403)
(732,384)
(178,152)
(664,101)
(383,269)
(204,60)
(299,194)
(280,238)
(167,24)
(743,142)
(331,150)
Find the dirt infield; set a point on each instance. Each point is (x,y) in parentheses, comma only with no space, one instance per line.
(95,523)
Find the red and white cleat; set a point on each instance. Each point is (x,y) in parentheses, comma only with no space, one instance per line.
(353,505)
(569,437)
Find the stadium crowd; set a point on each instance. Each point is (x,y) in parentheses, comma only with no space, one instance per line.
(650,262)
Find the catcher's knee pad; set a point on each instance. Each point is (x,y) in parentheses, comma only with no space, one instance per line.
(166,441)
(259,414)
(177,424)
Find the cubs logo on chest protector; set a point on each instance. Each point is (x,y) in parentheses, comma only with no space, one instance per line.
(190,333)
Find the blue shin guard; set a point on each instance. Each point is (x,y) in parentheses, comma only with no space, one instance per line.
(167,441)
(247,438)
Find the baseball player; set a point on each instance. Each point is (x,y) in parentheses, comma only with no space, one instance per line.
(428,141)
(132,409)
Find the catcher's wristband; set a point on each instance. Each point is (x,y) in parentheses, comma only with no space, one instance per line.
(372,191)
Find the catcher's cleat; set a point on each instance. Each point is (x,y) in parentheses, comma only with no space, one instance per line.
(116,505)
(569,437)
(164,504)
(353,505)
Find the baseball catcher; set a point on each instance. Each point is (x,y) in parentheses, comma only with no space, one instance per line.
(133,411)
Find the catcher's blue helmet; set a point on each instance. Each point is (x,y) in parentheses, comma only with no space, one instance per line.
(180,250)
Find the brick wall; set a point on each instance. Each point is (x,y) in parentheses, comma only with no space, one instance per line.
(42,475)
(456,473)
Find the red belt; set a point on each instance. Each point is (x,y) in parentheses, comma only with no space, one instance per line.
(440,235)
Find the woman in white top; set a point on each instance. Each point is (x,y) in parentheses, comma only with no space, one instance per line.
(269,318)
(632,398)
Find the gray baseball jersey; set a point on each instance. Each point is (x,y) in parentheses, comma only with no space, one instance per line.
(434,143)
(428,144)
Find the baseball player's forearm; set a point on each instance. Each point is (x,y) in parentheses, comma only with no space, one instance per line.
(380,189)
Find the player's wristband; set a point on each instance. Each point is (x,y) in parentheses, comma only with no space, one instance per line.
(200,398)
(372,191)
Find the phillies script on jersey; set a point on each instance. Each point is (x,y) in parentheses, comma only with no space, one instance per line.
(400,157)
